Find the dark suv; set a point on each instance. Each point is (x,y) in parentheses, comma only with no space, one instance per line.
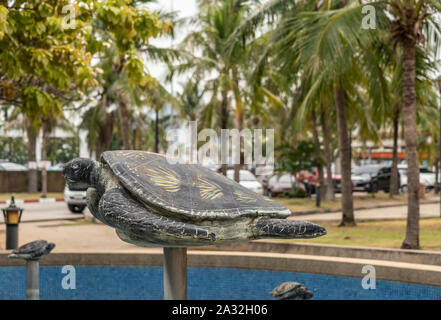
(381,181)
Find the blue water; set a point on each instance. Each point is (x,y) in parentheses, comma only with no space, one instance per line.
(133,282)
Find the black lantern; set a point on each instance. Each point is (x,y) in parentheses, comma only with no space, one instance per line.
(12,215)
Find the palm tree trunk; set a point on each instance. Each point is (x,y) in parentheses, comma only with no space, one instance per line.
(410,135)
(224,124)
(32,157)
(329,189)
(124,121)
(393,189)
(237,166)
(315,137)
(345,160)
(105,136)
(156,130)
(239,122)
(44,158)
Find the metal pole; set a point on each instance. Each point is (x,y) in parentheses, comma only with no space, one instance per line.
(317,195)
(175,273)
(32,291)
(11,236)
(439,168)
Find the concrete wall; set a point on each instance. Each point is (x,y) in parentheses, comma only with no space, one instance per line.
(398,255)
(17,181)
(385,270)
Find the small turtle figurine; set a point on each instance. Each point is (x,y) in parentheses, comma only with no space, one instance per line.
(291,291)
(150,201)
(34,250)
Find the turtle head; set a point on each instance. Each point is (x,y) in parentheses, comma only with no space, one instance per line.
(80,173)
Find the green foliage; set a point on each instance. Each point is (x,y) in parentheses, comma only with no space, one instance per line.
(294,159)
(295,192)
(62,150)
(42,63)
(13,150)
(128,28)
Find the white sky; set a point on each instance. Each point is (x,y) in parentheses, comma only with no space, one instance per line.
(184,9)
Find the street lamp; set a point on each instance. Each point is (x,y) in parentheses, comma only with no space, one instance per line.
(438,82)
(12,215)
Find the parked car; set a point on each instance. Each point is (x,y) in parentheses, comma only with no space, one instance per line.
(11,166)
(247,179)
(75,199)
(427,177)
(57,167)
(381,181)
(310,179)
(280,184)
(361,176)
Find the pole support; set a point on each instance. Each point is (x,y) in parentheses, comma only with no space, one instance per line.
(175,273)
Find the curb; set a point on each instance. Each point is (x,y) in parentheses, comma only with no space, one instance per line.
(339,266)
(306,212)
(42,200)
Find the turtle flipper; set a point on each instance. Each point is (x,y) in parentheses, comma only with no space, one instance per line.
(290,229)
(93,200)
(121,211)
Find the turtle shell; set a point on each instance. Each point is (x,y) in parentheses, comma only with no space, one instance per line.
(31,247)
(187,190)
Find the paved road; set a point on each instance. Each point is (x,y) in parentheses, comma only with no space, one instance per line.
(45,211)
(392,213)
(59,211)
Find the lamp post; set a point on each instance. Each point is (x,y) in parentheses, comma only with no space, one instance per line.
(317,195)
(12,215)
(32,252)
(438,82)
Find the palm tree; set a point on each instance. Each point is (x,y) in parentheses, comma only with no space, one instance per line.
(410,19)
(221,58)
(315,42)
(331,33)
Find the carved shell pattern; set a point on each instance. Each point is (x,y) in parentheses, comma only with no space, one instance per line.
(164,178)
(242,197)
(208,189)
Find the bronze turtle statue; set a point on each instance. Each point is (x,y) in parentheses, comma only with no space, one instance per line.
(291,291)
(150,201)
(34,250)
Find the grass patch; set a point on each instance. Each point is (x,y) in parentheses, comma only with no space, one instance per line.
(25,195)
(364,200)
(381,234)
(79,223)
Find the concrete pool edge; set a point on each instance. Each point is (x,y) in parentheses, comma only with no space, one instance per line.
(398,255)
(341,266)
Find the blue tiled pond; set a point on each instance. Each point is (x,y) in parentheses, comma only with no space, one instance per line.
(130,282)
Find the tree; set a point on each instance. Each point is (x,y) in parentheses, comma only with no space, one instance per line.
(120,37)
(315,44)
(302,157)
(221,56)
(127,28)
(338,32)
(43,63)
(410,18)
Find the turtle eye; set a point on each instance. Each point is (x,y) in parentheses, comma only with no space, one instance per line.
(75,166)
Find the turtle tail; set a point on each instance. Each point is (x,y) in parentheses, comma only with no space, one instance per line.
(288,229)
